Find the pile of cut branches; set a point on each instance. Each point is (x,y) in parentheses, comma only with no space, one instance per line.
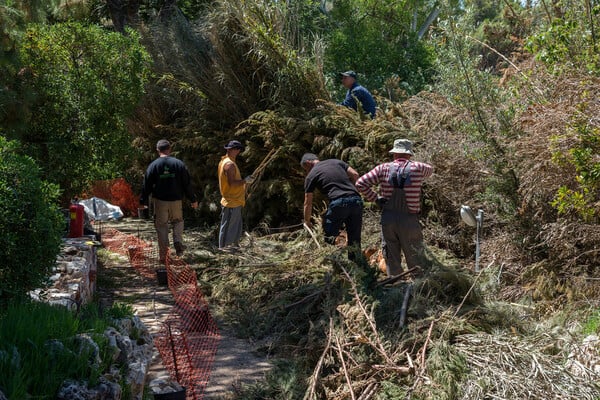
(351,337)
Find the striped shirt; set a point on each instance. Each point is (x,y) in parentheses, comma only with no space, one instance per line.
(380,175)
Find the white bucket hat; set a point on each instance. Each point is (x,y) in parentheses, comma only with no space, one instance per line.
(402,146)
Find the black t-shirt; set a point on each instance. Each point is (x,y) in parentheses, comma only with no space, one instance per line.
(331,178)
(168,179)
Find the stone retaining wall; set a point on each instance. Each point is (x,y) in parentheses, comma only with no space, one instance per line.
(73,284)
(73,281)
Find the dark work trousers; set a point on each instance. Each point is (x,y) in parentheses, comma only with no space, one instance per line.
(345,211)
(402,233)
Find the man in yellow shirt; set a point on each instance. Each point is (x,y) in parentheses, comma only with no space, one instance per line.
(233,192)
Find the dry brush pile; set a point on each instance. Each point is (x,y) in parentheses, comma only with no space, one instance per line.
(561,236)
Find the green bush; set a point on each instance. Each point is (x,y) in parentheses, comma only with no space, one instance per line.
(583,137)
(592,325)
(568,41)
(30,223)
(78,84)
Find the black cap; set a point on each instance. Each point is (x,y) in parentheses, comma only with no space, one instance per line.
(234,144)
(308,157)
(351,74)
(162,145)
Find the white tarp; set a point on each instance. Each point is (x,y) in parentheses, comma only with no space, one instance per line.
(100,210)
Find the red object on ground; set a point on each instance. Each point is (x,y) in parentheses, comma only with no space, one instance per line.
(75,220)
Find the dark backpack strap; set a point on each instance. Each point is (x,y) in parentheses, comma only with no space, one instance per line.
(400,178)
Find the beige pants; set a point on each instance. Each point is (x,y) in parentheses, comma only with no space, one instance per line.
(166,212)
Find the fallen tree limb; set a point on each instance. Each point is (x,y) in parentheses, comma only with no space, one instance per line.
(424,349)
(346,375)
(314,379)
(402,371)
(312,234)
(378,345)
(304,299)
(404,308)
(369,391)
(395,278)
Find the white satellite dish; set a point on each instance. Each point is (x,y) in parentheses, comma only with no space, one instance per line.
(469,218)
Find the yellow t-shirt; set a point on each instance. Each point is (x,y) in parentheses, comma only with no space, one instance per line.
(233,196)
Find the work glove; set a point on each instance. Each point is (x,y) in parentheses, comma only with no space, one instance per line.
(249,179)
(381,201)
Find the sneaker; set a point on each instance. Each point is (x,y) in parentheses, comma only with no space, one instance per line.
(179,248)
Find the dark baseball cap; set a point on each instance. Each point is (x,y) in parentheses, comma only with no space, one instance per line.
(351,74)
(234,144)
(308,157)
(163,144)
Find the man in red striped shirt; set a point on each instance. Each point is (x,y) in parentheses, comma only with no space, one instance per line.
(399,197)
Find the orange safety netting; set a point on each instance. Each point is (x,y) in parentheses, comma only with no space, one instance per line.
(188,339)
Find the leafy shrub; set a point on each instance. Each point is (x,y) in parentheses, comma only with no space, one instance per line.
(30,223)
(120,310)
(569,40)
(582,141)
(79,83)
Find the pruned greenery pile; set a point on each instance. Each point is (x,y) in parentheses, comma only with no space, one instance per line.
(335,332)
(555,159)
(497,363)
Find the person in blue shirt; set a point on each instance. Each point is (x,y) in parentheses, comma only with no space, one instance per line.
(356,91)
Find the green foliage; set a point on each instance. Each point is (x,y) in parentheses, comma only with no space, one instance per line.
(448,369)
(192,9)
(120,310)
(10,18)
(30,223)
(78,85)
(390,390)
(499,34)
(569,41)
(592,325)
(375,38)
(284,382)
(38,334)
(15,14)
(39,349)
(580,153)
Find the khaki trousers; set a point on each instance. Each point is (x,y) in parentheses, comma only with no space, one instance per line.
(166,212)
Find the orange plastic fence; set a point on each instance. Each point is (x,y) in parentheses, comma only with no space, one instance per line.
(188,339)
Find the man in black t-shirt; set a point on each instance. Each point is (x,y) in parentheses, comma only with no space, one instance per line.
(335,179)
(168,180)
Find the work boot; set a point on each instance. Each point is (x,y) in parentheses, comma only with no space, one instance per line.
(179,248)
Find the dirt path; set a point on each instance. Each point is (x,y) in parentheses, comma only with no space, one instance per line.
(235,363)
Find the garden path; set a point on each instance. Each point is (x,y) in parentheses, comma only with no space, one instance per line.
(236,362)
